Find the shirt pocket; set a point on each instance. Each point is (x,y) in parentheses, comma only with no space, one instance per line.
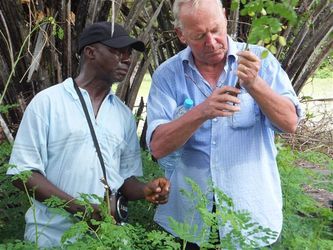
(246,117)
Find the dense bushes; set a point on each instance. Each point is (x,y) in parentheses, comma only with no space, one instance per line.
(307,225)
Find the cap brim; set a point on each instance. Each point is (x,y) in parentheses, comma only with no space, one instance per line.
(124,41)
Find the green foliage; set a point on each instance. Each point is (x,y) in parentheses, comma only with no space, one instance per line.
(57,30)
(5,108)
(317,158)
(105,234)
(283,9)
(326,68)
(13,203)
(268,19)
(56,205)
(18,245)
(127,236)
(322,175)
(307,225)
(151,170)
(161,240)
(241,229)
(23,176)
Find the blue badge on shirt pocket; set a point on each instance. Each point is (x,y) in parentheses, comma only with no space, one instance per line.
(246,117)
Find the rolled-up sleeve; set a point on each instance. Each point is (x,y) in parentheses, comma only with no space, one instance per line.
(161,103)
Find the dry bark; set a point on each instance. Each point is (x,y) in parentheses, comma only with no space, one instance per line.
(47,60)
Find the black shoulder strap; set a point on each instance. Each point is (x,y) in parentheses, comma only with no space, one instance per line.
(92,131)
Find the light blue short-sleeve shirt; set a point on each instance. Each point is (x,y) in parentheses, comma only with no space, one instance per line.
(236,153)
(54,139)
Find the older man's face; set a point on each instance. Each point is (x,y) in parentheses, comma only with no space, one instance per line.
(205,31)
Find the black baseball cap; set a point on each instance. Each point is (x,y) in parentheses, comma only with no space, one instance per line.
(101,32)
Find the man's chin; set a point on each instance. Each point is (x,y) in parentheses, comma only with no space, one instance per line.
(215,60)
(120,78)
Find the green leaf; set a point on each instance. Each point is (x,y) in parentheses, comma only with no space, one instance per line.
(282,41)
(76,230)
(5,108)
(264,54)
(23,176)
(272,48)
(263,12)
(260,43)
(60,33)
(274,37)
(267,40)
(54,201)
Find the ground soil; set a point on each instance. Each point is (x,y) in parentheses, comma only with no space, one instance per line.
(323,196)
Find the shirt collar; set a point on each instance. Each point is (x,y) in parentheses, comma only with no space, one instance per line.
(69,87)
(232,49)
(186,55)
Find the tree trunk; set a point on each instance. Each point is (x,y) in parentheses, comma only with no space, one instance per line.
(308,39)
(312,63)
(33,58)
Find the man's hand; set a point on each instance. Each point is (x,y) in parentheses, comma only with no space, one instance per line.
(248,68)
(157,191)
(220,103)
(279,109)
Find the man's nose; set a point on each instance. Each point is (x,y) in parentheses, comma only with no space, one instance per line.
(210,40)
(126,60)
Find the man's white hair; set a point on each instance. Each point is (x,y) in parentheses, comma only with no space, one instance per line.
(177,5)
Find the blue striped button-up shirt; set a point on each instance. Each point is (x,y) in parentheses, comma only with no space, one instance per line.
(237,154)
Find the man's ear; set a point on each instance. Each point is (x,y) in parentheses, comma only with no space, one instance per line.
(89,52)
(180,35)
(224,12)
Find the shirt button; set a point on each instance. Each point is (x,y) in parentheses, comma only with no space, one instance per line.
(214,142)
(215,119)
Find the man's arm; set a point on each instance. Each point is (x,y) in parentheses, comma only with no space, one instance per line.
(170,136)
(43,189)
(279,109)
